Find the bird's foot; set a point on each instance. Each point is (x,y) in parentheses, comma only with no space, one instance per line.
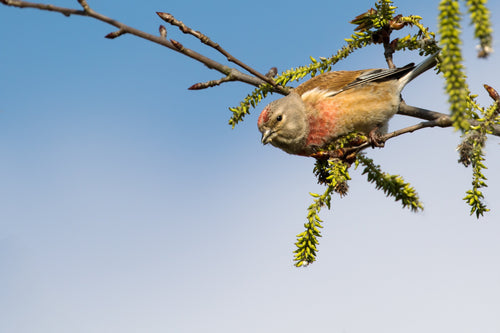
(375,138)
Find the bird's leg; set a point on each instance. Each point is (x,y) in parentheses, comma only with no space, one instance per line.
(375,137)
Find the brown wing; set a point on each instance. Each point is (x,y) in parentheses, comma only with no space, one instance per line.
(343,80)
(331,81)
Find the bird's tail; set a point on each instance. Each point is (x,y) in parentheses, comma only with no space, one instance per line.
(425,65)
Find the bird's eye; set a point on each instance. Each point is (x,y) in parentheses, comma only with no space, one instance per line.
(279,118)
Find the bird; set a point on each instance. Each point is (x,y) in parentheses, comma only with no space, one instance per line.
(333,104)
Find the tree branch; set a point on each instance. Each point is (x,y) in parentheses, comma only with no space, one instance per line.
(169,18)
(232,74)
(444,121)
(413,111)
(123,29)
(41,6)
(441,118)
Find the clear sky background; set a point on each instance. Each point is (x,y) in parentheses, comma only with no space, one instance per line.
(127,204)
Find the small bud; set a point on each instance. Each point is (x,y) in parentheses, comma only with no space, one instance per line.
(177,45)
(272,72)
(165,17)
(163,31)
(494,95)
(196,86)
(114,34)
(492,92)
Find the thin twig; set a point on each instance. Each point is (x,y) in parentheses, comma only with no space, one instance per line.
(210,63)
(211,83)
(440,122)
(41,6)
(169,18)
(412,111)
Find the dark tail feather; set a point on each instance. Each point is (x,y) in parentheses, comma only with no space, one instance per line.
(425,65)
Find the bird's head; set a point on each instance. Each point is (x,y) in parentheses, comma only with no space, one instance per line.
(283,123)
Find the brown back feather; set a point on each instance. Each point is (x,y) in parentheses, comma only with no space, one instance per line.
(331,81)
(343,80)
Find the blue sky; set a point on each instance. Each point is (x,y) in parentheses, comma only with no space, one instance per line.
(129,205)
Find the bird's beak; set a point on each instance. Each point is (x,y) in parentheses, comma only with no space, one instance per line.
(265,136)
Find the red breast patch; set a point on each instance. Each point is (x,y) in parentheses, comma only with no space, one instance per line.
(322,124)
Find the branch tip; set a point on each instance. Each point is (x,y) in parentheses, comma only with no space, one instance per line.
(211,83)
(195,86)
(165,16)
